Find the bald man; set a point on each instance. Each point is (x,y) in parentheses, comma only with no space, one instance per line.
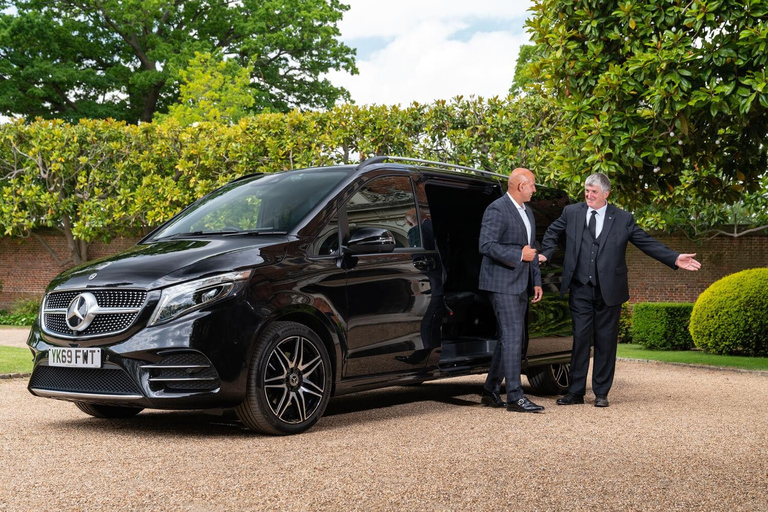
(510,272)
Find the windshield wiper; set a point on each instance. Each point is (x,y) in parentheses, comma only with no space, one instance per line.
(254,232)
(197,233)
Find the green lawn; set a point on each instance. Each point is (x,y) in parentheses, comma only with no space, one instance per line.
(632,351)
(15,360)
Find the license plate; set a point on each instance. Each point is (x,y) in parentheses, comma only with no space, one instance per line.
(75,357)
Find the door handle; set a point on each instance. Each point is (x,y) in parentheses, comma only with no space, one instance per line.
(424,263)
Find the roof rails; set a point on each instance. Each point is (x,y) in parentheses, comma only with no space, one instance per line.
(430,163)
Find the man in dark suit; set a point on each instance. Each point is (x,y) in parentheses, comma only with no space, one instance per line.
(510,271)
(595,272)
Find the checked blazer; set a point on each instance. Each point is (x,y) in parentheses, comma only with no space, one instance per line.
(502,238)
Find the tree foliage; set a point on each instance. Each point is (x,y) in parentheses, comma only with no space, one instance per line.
(670,99)
(211,90)
(94,180)
(74,59)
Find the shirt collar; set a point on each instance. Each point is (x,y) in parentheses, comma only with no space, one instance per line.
(519,207)
(600,211)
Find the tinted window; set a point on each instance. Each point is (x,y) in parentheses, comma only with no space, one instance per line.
(384,203)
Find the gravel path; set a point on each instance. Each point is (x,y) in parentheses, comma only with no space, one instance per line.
(673,438)
(13,336)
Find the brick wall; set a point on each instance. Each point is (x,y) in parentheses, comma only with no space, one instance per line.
(651,281)
(26,266)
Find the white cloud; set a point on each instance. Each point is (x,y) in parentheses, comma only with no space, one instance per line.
(431,50)
(392,18)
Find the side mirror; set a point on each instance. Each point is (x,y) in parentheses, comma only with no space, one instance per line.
(370,241)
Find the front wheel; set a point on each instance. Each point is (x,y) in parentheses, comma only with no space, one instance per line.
(108,411)
(550,379)
(289,381)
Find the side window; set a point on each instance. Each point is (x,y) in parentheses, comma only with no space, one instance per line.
(385,203)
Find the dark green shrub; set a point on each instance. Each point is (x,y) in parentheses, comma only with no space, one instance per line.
(662,325)
(731,316)
(22,313)
(625,323)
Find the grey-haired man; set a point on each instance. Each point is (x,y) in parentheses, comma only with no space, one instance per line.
(595,274)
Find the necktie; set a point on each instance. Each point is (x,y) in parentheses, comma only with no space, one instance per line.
(593,225)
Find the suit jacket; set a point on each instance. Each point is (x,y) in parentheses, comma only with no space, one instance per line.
(502,238)
(619,228)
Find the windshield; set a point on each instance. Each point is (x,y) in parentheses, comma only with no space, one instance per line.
(269,203)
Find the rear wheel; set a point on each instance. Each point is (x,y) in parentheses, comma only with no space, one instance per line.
(289,381)
(551,379)
(108,411)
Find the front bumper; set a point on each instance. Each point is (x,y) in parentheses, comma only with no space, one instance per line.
(198,361)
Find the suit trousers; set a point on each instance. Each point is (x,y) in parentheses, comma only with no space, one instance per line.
(510,312)
(592,321)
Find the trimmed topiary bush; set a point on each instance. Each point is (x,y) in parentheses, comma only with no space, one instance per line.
(662,325)
(731,316)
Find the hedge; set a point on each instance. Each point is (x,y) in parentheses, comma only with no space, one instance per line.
(662,325)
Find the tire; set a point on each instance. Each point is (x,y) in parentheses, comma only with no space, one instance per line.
(551,379)
(289,381)
(108,411)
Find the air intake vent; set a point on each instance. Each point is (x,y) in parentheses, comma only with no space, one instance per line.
(182,372)
(100,381)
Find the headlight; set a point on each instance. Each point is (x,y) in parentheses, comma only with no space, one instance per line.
(181,299)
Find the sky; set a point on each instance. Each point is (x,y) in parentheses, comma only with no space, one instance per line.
(425,50)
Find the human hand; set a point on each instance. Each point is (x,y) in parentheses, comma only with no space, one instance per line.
(538,293)
(528,253)
(687,262)
(542,258)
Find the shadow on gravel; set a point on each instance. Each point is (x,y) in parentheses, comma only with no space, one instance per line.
(363,407)
(163,423)
(444,392)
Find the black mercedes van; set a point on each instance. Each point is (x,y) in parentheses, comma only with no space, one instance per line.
(278,291)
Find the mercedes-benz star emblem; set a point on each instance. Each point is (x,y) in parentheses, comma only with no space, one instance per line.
(81,311)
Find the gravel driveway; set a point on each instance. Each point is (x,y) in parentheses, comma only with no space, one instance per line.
(673,438)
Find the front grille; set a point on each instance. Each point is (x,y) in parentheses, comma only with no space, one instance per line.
(106,298)
(102,381)
(117,311)
(102,325)
(182,371)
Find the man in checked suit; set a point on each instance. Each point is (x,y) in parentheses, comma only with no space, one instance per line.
(595,273)
(510,271)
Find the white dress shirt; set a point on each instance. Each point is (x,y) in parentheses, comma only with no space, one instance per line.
(599,218)
(521,210)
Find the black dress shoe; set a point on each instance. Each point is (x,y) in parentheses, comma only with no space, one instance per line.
(570,399)
(524,405)
(601,401)
(491,399)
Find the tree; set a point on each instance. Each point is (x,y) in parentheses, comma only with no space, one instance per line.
(669,99)
(74,59)
(77,179)
(523,80)
(98,179)
(212,90)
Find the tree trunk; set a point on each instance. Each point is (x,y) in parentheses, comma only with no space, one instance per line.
(150,104)
(78,249)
